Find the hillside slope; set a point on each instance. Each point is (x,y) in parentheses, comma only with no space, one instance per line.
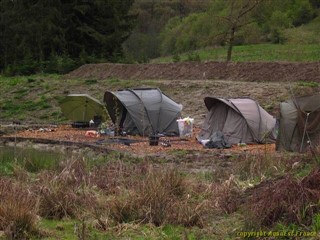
(36,98)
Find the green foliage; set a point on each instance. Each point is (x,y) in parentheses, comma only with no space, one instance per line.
(316,223)
(258,52)
(145,42)
(308,84)
(58,36)
(249,34)
(141,47)
(193,57)
(268,22)
(90,81)
(304,34)
(176,58)
(59,64)
(287,228)
(278,21)
(29,159)
(190,33)
(169,36)
(31,80)
(301,12)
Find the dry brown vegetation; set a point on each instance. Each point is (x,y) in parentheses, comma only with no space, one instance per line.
(287,199)
(120,192)
(62,194)
(18,210)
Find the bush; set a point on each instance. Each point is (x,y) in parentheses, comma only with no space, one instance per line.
(176,58)
(56,64)
(287,199)
(21,69)
(159,198)
(64,193)
(225,196)
(193,57)
(59,64)
(18,211)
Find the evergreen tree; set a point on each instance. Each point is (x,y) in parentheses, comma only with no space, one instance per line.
(38,31)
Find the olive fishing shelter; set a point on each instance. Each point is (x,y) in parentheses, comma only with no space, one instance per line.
(143,111)
(82,108)
(299,123)
(241,120)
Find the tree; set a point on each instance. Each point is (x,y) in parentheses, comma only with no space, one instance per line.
(5,32)
(238,16)
(97,27)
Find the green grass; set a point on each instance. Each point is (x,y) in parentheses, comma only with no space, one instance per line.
(308,84)
(65,229)
(304,34)
(258,52)
(23,96)
(36,98)
(31,160)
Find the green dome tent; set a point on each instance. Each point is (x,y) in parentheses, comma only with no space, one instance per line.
(143,111)
(83,108)
(240,120)
(299,123)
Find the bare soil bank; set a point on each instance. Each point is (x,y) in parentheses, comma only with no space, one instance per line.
(232,71)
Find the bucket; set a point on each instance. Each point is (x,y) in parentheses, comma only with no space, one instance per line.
(153,140)
(185,127)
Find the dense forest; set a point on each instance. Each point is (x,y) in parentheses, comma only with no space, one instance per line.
(57,36)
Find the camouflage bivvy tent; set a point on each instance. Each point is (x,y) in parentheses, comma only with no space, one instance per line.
(299,123)
(240,120)
(143,111)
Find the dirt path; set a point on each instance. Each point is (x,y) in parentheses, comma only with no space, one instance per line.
(234,71)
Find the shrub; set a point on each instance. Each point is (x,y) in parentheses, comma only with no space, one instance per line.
(116,175)
(193,57)
(64,193)
(286,199)
(149,201)
(159,198)
(225,196)
(157,194)
(18,211)
(59,64)
(176,57)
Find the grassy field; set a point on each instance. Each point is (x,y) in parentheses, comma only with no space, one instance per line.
(259,52)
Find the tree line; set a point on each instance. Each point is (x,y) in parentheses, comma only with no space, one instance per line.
(58,35)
